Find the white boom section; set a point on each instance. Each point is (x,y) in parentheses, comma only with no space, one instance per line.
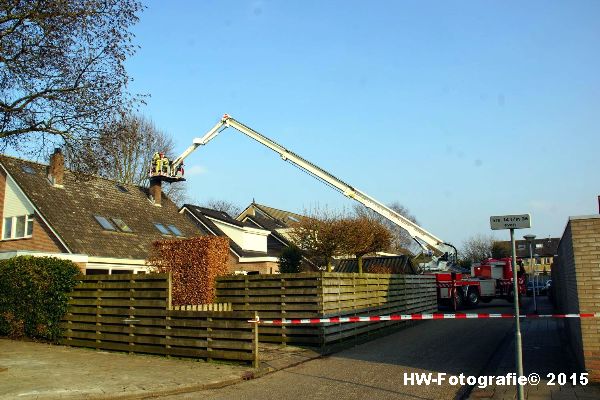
(420,235)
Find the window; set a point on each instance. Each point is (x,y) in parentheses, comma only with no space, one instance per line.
(104,223)
(18,227)
(539,245)
(121,225)
(121,188)
(521,247)
(162,229)
(27,169)
(175,230)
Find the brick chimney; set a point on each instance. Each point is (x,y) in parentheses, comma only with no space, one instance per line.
(155,191)
(56,169)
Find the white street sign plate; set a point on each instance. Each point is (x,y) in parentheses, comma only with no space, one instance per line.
(510,221)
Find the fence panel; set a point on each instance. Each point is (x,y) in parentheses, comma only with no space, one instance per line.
(132,313)
(322,294)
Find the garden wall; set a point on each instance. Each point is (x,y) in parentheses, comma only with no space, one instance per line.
(576,288)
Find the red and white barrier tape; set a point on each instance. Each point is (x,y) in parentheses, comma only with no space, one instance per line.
(409,317)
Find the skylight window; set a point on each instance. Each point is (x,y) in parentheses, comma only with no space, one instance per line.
(121,225)
(175,230)
(121,188)
(293,218)
(27,169)
(162,229)
(104,223)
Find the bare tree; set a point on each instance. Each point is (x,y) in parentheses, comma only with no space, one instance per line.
(363,235)
(225,206)
(402,242)
(124,151)
(477,248)
(320,235)
(62,72)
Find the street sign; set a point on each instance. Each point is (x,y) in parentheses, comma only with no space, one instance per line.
(510,221)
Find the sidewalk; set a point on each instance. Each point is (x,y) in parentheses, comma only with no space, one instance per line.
(544,352)
(31,370)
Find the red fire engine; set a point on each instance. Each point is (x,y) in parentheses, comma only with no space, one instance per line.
(491,279)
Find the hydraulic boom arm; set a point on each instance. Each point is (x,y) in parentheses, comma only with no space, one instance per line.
(426,240)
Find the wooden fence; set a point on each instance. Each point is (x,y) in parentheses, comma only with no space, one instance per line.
(133,313)
(314,295)
(204,307)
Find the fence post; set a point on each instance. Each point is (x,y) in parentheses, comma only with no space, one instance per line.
(255,361)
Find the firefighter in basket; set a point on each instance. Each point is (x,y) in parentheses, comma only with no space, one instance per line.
(164,161)
(155,165)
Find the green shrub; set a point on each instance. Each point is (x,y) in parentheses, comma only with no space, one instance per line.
(290,259)
(33,296)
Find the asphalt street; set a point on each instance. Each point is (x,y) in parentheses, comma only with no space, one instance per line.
(376,369)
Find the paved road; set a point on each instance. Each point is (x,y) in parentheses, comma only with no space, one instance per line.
(375,370)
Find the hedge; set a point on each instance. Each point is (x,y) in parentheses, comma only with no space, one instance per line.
(33,296)
(194,265)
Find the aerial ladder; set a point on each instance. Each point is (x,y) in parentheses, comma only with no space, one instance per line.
(442,255)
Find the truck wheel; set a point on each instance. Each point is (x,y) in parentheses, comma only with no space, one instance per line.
(473,297)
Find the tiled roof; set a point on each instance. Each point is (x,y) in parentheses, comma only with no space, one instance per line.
(204,214)
(70,211)
(282,216)
(398,264)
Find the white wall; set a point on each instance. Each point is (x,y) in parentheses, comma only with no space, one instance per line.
(247,238)
(15,203)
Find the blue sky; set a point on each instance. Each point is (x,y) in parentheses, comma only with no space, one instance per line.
(458,110)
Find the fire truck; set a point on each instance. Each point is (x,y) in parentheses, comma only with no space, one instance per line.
(453,287)
(490,279)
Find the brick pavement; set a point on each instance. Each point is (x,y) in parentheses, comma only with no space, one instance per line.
(544,352)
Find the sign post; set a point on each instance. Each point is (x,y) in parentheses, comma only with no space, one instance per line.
(513,222)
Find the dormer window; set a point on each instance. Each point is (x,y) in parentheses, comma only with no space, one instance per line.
(104,223)
(17,227)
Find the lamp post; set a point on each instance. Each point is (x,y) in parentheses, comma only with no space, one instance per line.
(530,239)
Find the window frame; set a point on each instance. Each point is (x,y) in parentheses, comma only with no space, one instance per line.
(125,228)
(99,219)
(157,225)
(29,219)
(175,230)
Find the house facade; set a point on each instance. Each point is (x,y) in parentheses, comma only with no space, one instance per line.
(101,225)
(543,250)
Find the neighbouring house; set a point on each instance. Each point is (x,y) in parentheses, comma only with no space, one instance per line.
(102,225)
(253,248)
(276,220)
(544,250)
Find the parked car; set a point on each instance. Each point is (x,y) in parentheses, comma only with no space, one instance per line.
(540,288)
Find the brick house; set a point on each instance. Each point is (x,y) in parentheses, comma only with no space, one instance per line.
(544,250)
(103,226)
